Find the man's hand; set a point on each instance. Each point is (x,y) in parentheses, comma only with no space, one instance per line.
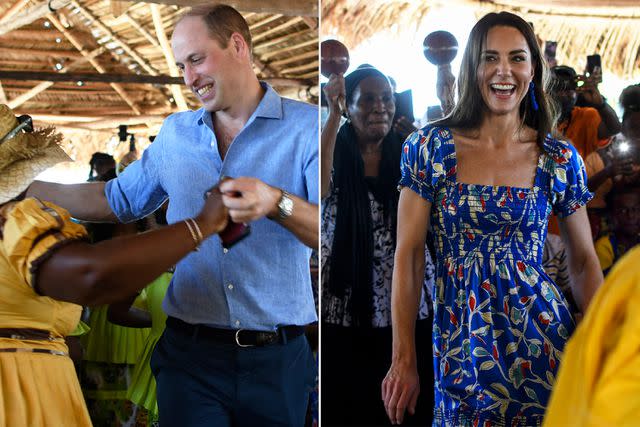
(249,199)
(400,390)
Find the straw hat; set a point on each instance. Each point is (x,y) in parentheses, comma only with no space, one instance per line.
(26,155)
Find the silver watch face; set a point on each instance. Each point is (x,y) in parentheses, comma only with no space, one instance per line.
(285,205)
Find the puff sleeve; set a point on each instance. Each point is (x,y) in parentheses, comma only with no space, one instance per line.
(31,233)
(570,190)
(421,164)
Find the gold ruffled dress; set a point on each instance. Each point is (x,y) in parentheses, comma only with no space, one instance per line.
(38,383)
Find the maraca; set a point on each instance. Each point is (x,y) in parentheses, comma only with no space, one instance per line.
(440,48)
(334,59)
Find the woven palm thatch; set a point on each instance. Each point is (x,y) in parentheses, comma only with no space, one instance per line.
(130,39)
(581,27)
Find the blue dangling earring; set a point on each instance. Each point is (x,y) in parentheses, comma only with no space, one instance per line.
(534,102)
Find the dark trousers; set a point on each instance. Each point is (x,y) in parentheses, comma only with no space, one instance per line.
(354,362)
(202,382)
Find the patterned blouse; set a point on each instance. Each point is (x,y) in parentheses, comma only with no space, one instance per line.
(334,308)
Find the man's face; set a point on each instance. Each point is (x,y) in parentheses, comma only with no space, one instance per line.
(207,67)
(626,213)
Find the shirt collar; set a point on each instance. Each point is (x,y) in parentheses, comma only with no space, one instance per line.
(270,107)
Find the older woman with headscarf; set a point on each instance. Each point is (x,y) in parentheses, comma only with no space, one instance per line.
(359,175)
(48,271)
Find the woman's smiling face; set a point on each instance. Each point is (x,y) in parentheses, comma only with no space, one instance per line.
(505,70)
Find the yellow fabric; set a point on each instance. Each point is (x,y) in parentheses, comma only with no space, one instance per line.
(594,164)
(604,250)
(599,380)
(36,389)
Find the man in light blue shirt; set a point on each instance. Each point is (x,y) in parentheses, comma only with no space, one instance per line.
(233,352)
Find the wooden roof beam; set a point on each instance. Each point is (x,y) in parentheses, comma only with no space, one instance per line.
(176,90)
(279,39)
(106,30)
(147,35)
(99,68)
(266,21)
(284,7)
(21,99)
(299,68)
(296,58)
(3,96)
(32,14)
(19,4)
(291,22)
(275,52)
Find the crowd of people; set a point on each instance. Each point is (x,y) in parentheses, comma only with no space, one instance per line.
(498,195)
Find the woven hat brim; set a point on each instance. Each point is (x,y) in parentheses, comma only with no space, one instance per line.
(17,176)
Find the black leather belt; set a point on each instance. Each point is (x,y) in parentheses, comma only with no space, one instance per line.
(240,337)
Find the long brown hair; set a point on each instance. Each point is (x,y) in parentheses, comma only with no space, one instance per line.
(470,109)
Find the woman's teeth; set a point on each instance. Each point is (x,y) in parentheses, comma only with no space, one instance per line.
(503,89)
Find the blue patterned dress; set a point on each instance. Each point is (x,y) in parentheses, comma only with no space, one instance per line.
(500,323)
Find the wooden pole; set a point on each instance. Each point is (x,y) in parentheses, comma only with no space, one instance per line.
(168,55)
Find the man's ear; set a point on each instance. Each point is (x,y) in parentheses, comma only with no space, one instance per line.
(239,44)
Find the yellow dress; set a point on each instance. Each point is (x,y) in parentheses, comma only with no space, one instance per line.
(599,380)
(36,389)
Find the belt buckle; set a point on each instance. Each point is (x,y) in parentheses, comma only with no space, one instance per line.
(238,340)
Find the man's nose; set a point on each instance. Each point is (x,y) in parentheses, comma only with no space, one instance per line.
(188,75)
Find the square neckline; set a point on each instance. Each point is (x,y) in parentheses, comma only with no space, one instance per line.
(495,187)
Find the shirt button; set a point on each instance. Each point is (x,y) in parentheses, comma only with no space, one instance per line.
(225,250)
(230,286)
(237,323)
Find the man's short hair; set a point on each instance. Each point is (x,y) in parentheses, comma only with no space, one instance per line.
(222,21)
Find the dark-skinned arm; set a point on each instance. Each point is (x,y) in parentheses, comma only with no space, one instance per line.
(115,269)
(610,125)
(122,313)
(85,201)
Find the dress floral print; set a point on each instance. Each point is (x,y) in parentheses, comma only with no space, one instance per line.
(500,323)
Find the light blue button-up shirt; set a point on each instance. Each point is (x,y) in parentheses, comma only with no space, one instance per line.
(263,281)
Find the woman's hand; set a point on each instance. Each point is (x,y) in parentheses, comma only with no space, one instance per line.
(400,390)
(214,216)
(334,92)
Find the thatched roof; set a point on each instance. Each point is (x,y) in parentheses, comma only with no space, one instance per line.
(111,47)
(581,27)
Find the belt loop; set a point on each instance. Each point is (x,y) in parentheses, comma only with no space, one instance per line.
(283,334)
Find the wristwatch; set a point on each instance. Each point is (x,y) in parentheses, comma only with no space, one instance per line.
(285,205)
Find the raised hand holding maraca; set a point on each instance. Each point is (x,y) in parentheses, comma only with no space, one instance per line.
(440,48)
(334,62)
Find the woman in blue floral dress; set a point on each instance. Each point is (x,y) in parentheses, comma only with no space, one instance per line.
(486,179)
